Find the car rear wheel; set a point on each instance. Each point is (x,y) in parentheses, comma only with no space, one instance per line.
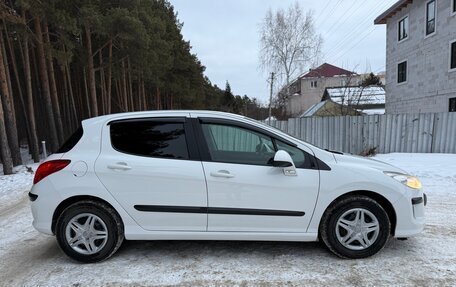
(355,227)
(89,231)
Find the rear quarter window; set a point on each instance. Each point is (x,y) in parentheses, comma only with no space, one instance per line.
(150,139)
(71,141)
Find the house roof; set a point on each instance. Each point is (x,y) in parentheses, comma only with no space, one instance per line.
(327,71)
(398,6)
(357,96)
(312,110)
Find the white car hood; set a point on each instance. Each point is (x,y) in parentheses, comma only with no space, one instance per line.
(366,162)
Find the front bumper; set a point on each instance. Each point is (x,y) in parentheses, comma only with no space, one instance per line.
(410,214)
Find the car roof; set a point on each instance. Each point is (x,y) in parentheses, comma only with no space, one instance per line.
(165,113)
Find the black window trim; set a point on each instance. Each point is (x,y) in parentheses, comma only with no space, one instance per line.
(193,152)
(314,163)
(403,19)
(406,72)
(450,100)
(452,43)
(182,119)
(427,20)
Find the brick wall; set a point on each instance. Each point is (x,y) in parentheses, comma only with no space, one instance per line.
(429,84)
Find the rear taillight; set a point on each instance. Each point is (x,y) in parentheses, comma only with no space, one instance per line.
(49,167)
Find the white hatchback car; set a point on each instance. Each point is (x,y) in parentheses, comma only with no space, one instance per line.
(202,175)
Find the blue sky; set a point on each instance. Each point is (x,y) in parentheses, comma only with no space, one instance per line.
(225,36)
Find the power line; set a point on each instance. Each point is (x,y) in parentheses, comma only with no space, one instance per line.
(343,16)
(323,11)
(354,34)
(347,18)
(332,11)
(365,36)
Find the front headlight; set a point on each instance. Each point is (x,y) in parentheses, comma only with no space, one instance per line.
(406,179)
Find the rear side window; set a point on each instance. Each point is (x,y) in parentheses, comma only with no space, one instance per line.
(150,138)
(71,141)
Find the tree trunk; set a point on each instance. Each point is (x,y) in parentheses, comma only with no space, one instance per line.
(45,87)
(53,85)
(87,96)
(4,146)
(143,92)
(130,87)
(124,87)
(91,73)
(21,95)
(8,108)
(70,93)
(109,83)
(157,100)
(29,103)
(103,84)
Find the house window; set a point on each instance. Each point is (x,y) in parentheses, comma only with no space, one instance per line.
(313,84)
(453,56)
(452,105)
(430,17)
(403,27)
(453,7)
(402,72)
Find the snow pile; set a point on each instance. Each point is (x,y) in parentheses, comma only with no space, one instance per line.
(357,95)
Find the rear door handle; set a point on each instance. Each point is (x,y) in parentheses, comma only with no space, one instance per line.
(119,166)
(222,173)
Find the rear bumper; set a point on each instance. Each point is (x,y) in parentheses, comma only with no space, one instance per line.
(43,203)
(32,196)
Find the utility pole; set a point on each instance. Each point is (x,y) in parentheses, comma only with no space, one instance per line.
(270,98)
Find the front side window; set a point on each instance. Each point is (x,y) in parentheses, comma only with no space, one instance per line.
(453,56)
(297,155)
(150,138)
(403,27)
(430,17)
(402,72)
(233,144)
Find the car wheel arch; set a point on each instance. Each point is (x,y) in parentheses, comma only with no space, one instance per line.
(74,199)
(380,199)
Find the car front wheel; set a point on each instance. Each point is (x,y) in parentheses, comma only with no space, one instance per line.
(355,227)
(89,231)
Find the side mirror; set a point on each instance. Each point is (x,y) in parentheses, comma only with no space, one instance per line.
(283,160)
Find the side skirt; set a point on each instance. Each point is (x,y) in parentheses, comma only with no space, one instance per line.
(136,233)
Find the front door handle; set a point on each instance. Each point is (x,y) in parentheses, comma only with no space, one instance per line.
(222,173)
(119,166)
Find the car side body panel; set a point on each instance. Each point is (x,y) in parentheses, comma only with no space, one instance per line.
(345,175)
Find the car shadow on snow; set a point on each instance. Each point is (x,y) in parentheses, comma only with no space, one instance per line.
(199,250)
(202,249)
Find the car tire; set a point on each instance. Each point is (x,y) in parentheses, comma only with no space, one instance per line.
(355,227)
(89,231)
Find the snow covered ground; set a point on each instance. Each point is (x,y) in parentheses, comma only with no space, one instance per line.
(28,258)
